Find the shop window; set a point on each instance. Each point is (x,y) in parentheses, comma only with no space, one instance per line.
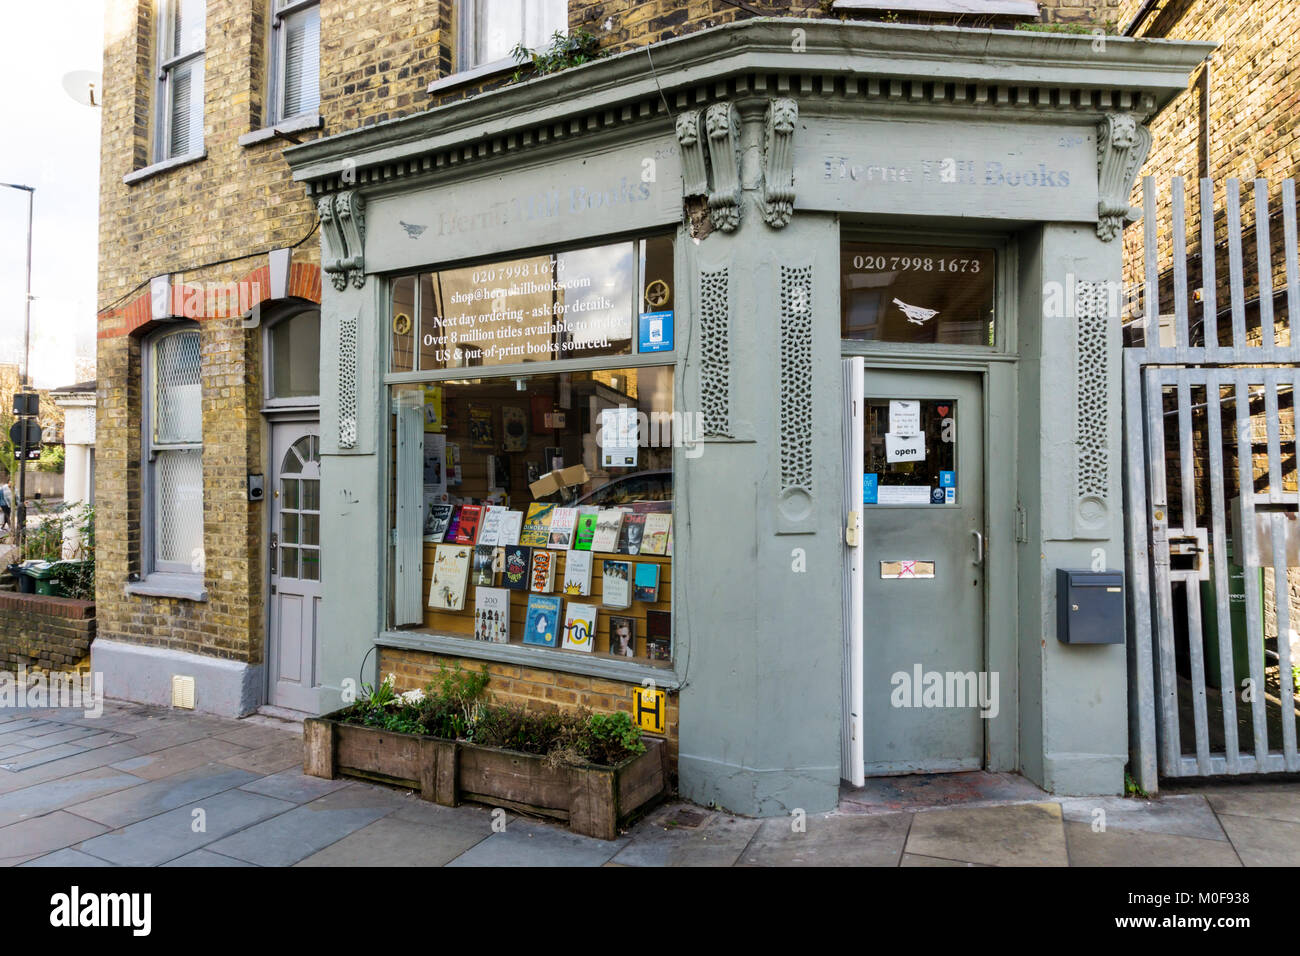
(475,500)
(173,454)
(179,102)
(911,452)
(295,59)
(491,29)
(918,294)
(293,366)
(607,300)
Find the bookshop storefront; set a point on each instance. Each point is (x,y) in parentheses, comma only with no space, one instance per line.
(779,381)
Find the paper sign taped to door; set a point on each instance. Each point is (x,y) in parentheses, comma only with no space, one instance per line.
(904,447)
(907,568)
(904,417)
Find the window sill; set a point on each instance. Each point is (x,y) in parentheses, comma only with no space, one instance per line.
(538,657)
(167,164)
(295,124)
(184,587)
(465,77)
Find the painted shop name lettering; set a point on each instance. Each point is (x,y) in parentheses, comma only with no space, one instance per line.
(576,200)
(960,172)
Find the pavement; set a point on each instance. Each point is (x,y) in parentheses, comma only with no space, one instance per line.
(151,786)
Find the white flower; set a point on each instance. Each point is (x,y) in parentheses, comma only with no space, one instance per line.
(412,696)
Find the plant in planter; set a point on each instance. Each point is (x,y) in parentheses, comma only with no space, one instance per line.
(566,50)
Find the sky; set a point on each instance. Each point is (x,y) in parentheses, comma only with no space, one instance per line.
(49,141)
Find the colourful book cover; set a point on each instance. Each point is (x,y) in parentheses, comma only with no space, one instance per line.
(489,530)
(577,573)
(542,577)
(622,636)
(579,627)
(512,522)
(564,522)
(537,525)
(450,575)
(492,615)
(480,427)
(657,528)
(616,584)
(484,565)
(646,583)
(631,534)
(659,635)
(515,574)
(608,523)
(542,625)
(437,517)
(586,530)
(467,530)
(453,526)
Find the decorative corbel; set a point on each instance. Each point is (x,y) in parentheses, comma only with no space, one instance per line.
(695,175)
(342,223)
(722,124)
(1122,146)
(778,162)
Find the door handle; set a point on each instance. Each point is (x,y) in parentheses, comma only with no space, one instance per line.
(979,547)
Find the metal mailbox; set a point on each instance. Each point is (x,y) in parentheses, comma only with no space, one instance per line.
(1089,607)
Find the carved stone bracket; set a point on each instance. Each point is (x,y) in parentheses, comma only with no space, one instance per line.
(722,124)
(343,224)
(695,174)
(778,162)
(1122,146)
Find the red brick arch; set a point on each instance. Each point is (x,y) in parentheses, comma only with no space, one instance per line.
(202,301)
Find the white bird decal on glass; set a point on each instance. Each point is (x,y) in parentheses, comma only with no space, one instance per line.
(915,313)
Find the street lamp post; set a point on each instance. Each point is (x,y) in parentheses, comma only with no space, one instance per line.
(20,512)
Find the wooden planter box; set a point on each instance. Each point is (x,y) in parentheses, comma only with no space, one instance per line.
(592,800)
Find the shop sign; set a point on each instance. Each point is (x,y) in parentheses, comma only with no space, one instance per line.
(650,709)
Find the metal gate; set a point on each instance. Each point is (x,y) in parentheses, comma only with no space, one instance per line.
(1211,510)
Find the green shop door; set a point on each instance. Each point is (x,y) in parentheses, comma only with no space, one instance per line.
(924,684)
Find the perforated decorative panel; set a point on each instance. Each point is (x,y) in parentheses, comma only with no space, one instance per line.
(178,527)
(715,361)
(796,380)
(178,409)
(348,383)
(1092,390)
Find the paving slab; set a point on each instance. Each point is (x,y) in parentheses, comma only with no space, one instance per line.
(170,835)
(1021,835)
(67,857)
(34,758)
(472,816)
(830,840)
(206,858)
(256,736)
(390,841)
(1281,803)
(304,830)
(268,760)
(1261,841)
(12,750)
(61,792)
(39,835)
(87,760)
(927,791)
(1138,848)
(164,763)
(915,859)
(147,799)
(1178,815)
(524,843)
(150,739)
(292,785)
(717,839)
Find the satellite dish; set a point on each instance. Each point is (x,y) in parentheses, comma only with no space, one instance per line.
(84,86)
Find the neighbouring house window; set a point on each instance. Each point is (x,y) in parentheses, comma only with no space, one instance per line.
(181,25)
(293,367)
(491,29)
(295,59)
(173,453)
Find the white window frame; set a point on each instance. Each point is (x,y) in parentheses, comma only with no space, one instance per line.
(152,568)
(168,63)
(280,9)
(467,66)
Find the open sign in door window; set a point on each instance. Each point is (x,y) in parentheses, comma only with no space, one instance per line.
(910,452)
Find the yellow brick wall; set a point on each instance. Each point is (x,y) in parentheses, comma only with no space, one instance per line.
(532,688)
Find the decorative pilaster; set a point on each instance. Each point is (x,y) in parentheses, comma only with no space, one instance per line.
(1091,410)
(695,174)
(1122,146)
(347,359)
(778,162)
(722,125)
(342,222)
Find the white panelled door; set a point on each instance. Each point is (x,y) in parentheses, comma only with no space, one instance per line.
(295,566)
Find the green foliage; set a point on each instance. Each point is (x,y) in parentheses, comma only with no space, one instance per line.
(566,50)
(1132,788)
(51,460)
(451,707)
(1085,29)
(44,542)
